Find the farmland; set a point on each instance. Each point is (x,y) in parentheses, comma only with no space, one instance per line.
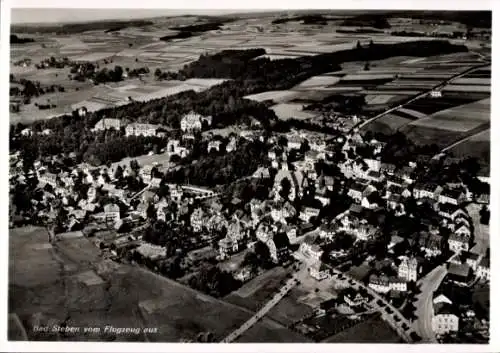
(372,330)
(56,283)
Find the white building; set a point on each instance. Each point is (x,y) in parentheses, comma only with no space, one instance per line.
(408,269)
(444,317)
(136,129)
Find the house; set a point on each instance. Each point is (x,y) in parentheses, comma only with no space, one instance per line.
(231,145)
(373,164)
(327,231)
(227,247)
(463,231)
(112,212)
(370,201)
(356,191)
(196,220)
(308,212)
(294,142)
(387,168)
(91,194)
(445,316)
(354,299)
(243,275)
(460,274)
(431,244)
(194,121)
(483,269)
(451,211)
(278,247)
(472,260)
(136,129)
(408,269)
(319,271)
(311,249)
(375,176)
(426,190)
(27,132)
(457,243)
(281,211)
(394,202)
(214,145)
(453,196)
(107,124)
(261,173)
(394,180)
(48,178)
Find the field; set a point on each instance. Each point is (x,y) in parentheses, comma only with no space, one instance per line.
(285,111)
(372,330)
(388,124)
(47,282)
(477,146)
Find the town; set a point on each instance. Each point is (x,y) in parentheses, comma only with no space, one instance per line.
(366,225)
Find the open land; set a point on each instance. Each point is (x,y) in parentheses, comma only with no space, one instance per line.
(47,280)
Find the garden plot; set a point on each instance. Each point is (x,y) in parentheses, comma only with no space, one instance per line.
(275,96)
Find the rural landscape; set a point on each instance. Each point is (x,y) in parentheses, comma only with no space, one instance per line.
(272,177)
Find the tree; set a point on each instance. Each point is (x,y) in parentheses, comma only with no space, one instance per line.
(286,187)
(358,45)
(151,212)
(264,256)
(118,173)
(367,67)
(484,215)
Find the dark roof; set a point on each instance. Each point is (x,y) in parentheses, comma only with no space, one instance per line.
(485,262)
(356,209)
(453,193)
(374,174)
(456,270)
(448,208)
(280,240)
(444,309)
(358,187)
(426,186)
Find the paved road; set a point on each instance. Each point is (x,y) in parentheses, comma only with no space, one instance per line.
(423,94)
(262,312)
(428,285)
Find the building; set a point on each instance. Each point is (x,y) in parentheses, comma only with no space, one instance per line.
(445,317)
(461,274)
(107,124)
(426,190)
(453,196)
(473,261)
(214,145)
(408,269)
(356,191)
(307,213)
(194,121)
(384,284)
(112,212)
(311,249)
(136,129)
(319,271)
(354,299)
(197,220)
(457,243)
(483,269)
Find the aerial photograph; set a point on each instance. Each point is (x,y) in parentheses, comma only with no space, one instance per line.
(300,176)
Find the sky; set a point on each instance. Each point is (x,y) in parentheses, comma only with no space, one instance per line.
(46,15)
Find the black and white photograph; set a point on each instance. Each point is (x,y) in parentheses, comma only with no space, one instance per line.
(249,176)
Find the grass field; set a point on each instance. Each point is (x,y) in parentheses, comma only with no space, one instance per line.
(372,330)
(42,280)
